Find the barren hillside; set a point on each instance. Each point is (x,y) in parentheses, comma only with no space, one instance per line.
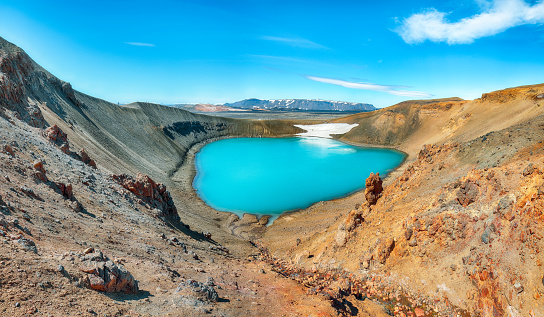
(458,226)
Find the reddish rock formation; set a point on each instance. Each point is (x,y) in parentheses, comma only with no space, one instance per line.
(57,136)
(489,293)
(354,219)
(66,190)
(373,188)
(86,159)
(106,276)
(40,171)
(154,194)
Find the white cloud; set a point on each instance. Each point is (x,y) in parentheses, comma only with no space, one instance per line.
(296,42)
(140,44)
(393,90)
(497,16)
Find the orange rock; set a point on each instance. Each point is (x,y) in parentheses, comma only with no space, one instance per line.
(384,248)
(374,188)
(55,134)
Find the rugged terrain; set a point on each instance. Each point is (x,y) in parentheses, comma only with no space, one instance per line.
(96,198)
(457,228)
(75,223)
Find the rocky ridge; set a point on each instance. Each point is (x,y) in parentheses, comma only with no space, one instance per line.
(301,104)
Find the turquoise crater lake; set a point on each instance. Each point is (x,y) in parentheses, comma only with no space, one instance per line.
(268,176)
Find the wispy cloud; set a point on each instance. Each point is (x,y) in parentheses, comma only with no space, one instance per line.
(140,44)
(295,41)
(291,61)
(392,90)
(496,17)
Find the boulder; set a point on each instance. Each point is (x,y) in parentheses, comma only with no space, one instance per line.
(467,194)
(505,204)
(354,219)
(66,190)
(106,276)
(85,158)
(40,171)
(8,149)
(384,248)
(203,292)
(28,244)
(374,188)
(56,135)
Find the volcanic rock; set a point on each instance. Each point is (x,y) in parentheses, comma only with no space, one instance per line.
(66,190)
(201,291)
(373,188)
(505,204)
(384,248)
(56,135)
(467,193)
(8,149)
(40,171)
(106,276)
(154,194)
(86,159)
(69,91)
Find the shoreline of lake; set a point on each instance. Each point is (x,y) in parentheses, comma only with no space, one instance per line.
(250,193)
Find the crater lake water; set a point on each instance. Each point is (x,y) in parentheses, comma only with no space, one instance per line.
(268,176)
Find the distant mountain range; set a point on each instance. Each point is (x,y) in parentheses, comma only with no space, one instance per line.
(301,104)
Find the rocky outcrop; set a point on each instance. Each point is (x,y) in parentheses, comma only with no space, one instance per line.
(151,193)
(374,188)
(69,91)
(15,75)
(58,137)
(106,276)
(346,229)
(66,190)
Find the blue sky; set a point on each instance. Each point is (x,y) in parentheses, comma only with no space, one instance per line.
(223,51)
